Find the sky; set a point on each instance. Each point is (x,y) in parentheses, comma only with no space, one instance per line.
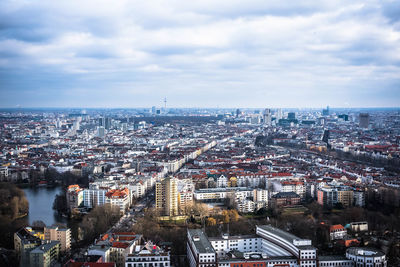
(208,53)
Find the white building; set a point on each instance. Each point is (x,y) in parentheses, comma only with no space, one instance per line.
(280,243)
(260,195)
(200,252)
(222,181)
(272,247)
(245,205)
(219,194)
(3,173)
(118,198)
(148,255)
(366,257)
(226,243)
(334,261)
(94,197)
(138,189)
(337,232)
(359,226)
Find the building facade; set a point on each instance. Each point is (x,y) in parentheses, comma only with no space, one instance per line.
(63,235)
(167,196)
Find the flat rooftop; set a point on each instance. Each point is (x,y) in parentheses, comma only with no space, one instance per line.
(332,258)
(233,237)
(203,245)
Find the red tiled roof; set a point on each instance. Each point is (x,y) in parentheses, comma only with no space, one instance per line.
(336,227)
(120,245)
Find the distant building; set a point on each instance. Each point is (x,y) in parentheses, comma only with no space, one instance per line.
(237,113)
(332,195)
(167,196)
(102,122)
(285,199)
(278,114)
(101,131)
(107,124)
(364,120)
(344,117)
(325,112)
(291,116)
(267,117)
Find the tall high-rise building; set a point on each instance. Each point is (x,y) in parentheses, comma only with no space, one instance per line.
(364,120)
(107,124)
(58,123)
(325,112)
(100,131)
(279,115)
(237,113)
(102,121)
(267,117)
(291,116)
(167,196)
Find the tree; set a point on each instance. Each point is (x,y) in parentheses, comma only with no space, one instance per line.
(233,216)
(99,220)
(212,184)
(38,224)
(225,216)
(211,221)
(14,207)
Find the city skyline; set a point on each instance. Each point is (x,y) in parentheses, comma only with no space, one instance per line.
(207,55)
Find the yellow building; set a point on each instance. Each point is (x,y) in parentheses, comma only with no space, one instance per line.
(167,196)
(232,182)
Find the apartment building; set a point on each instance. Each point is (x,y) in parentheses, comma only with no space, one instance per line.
(167,196)
(63,235)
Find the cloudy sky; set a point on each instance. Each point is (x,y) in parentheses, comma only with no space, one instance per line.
(208,53)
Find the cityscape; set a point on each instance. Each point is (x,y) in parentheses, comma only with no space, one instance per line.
(201,187)
(221,133)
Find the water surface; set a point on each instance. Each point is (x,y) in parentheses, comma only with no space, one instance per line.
(41,205)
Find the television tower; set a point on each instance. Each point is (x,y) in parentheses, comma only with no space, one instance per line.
(165,103)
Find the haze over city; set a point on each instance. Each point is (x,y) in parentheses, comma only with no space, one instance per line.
(201,54)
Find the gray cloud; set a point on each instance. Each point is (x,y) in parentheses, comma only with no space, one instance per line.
(203,53)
